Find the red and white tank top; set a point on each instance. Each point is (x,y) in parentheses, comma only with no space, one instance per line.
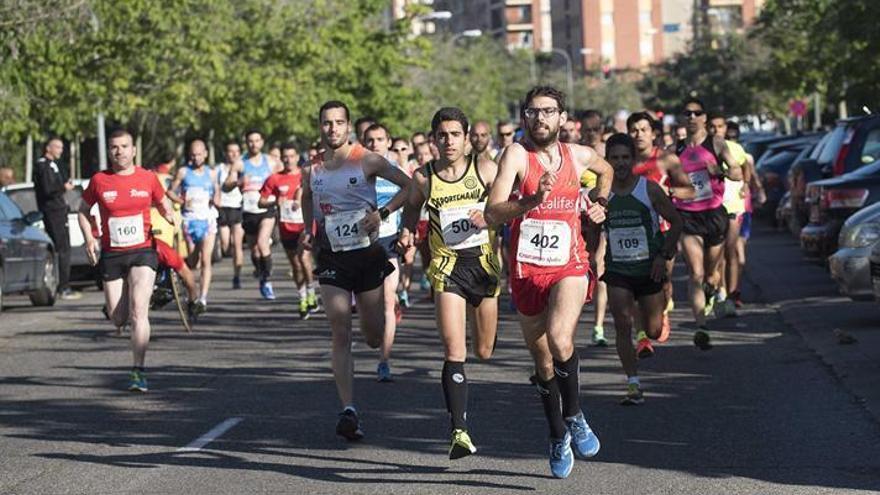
(547,238)
(695,161)
(649,168)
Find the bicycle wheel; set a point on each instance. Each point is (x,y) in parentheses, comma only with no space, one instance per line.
(180,300)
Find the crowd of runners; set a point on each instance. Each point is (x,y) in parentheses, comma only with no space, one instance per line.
(557,211)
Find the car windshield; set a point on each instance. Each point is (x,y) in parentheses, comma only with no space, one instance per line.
(9,209)
(832,146)
(872,145)
(26,199)
(814,155)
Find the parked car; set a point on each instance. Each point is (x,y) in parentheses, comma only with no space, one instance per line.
(853,143)
(875,270)
(772,168)
(24,196)
(27,256)
(831,202)
(850,265)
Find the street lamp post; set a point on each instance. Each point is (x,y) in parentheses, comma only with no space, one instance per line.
(569,72)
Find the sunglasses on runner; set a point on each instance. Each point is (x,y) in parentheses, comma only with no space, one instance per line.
(506,134)
(693,113)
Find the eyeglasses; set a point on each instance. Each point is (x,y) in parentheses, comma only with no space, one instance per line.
(547,112)
(693,113)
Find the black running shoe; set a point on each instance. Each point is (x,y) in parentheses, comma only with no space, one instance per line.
(348,426)
(701,340)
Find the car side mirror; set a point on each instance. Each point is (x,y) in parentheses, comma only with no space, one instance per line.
(866,159)
(33,217)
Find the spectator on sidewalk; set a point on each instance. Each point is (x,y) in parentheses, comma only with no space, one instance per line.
(50,184)
(7,176)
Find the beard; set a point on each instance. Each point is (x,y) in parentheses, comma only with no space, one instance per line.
(550,138)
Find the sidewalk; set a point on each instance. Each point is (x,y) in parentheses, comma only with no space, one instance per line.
(809,302)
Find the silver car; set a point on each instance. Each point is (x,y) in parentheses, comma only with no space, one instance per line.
(850,266)
(875,270)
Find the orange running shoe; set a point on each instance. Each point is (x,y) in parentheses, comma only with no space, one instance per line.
(644,349)
(664,329)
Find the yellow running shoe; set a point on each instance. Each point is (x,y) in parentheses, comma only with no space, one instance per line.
(462,446)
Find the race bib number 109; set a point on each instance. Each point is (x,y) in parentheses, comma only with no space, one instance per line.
(544,242)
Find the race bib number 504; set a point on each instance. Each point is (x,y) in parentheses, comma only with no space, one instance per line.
(544,242)
(345,232)
(458,230)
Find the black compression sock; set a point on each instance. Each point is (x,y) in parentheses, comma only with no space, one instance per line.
(455,391)
(267,267)
(569,384)
(549,392)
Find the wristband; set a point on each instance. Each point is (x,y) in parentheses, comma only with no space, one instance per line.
(603,202)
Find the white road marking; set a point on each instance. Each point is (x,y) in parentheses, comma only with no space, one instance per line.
(215,433)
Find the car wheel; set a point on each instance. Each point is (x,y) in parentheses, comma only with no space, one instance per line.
(45,295)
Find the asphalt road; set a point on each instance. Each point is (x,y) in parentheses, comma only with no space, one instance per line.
(759,413)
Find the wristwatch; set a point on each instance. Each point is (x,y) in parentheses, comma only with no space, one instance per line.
(602,201)
(384,213)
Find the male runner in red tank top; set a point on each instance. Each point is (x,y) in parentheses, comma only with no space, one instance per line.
(548,260)
(664,168)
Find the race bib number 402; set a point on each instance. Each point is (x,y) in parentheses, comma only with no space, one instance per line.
(628,244)
(544,242)
(126,231)
(458,230)
(702,186)
(345,232)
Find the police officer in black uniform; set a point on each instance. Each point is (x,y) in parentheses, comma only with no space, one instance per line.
(50,184)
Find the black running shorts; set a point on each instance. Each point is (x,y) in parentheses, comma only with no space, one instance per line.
(470,280)
(251,221)
(228,217)
(639,286)
(115,265)
(357,271)
(711,225)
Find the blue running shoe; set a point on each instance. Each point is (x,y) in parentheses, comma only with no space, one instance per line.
(266,291)
(383,372)
(561,457)
(137,382)
(586,443)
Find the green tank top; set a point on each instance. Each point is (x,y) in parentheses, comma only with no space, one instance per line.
(633,229)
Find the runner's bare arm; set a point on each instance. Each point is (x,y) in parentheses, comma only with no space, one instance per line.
(305,239)
(488,170)
(663,205)
(161,201)
(734,169)
(512,166)
(85,225)
(680,186)
(415,198)
(231,181)
(216,198)
(604,173)
(377,165)
(171,193)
